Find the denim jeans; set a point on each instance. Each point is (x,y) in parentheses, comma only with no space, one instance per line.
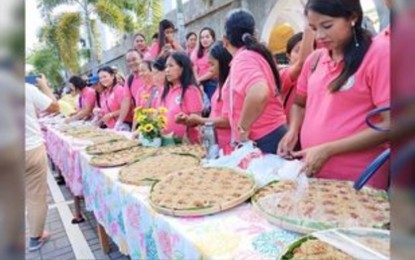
(269,143)
(209,87)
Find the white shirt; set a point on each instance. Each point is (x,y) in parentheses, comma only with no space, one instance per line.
(35,101)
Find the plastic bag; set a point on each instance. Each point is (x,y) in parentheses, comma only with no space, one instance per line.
(290,170)
(241,157)
(265,169)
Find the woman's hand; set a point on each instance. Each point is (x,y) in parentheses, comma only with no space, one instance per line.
(181,118)
(194,119)
(314,158)
(287,144)
(106,118)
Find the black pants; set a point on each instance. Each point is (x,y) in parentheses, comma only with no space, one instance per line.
(269,143)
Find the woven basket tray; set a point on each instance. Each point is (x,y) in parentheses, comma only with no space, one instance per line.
(201,211)
(304,226)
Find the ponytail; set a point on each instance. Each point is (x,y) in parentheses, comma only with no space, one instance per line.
(252,44)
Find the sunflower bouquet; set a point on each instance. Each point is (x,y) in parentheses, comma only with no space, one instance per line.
(151,121)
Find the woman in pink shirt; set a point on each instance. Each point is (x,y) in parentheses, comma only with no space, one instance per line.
(148,94)
(200,59)
(141,46)
(86,101)
(166,42)
(350,79)
(219,61)
(299,47)
(111,97)
(180,96)
(256,110)
(191,42)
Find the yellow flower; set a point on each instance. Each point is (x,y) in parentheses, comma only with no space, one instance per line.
(162,110)
(148,128)
(138,109)
(151,110)
(141,118)
(162,118)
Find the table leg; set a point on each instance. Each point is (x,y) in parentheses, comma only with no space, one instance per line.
(103,239)
(77,202)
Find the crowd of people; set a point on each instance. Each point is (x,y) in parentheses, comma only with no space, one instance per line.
(314,108)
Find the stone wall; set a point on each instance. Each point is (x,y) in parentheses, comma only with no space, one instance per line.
(199,13)
(114,57)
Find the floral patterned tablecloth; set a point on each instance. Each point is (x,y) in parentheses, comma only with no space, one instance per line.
(124,211)
(64,151)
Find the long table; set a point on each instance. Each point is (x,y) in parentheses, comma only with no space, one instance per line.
(123,211)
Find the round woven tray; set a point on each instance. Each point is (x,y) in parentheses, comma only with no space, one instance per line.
(304,226)
(207,210)
(111,146)
(143,178)
(287,252)
(123,157)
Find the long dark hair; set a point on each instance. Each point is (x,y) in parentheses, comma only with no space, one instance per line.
(187,78)
(110,71)
(240,29)
(163,25)
(219,53)
(353,55)
(159,63)
(189,34)
(201,49)
(293,41)
(78,82)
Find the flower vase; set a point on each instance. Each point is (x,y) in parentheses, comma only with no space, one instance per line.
(154,142)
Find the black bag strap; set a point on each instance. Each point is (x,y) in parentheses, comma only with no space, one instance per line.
(130,83)
(315,61)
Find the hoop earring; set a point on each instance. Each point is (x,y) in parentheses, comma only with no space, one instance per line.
(356,42)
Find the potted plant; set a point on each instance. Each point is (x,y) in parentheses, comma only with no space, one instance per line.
(151,123)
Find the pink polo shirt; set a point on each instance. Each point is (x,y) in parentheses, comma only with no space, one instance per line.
(148,96)
(219,110)
(201,64)
(154,50)
(86,98)
(247,69)
(136,87)
(111,102)
(288,90)
(147,55)
(333,116)
(191,103)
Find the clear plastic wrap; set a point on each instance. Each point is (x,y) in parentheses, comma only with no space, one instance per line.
(354,243)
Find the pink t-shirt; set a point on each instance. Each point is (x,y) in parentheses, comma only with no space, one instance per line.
(201,64)
(147,55)
(288,90)
(87,97)
(247,69)
(111,102)
(191,103)
(148,96)
(333,116)
(136,87)
(219,110)
(154,50)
